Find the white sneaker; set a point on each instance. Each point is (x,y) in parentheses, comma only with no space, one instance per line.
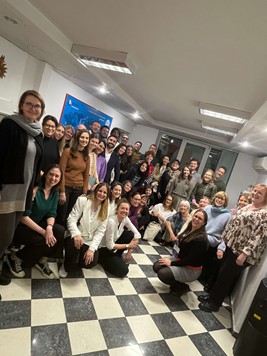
(62,272)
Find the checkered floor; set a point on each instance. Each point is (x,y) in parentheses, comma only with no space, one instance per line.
(95,314)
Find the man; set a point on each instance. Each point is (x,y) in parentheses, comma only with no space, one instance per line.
(80,127)
(95,127)
(125,139)
(219,173)
(193,166)
(137,154)
(113,162)
(104,131)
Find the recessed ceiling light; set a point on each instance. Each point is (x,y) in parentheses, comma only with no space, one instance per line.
(136,115)
(221,131)
(103,89)
(224,113)
(245,144)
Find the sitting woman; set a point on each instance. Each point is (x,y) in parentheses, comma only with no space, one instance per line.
(127,189)
(37,231)
(150,196)
(143,216)
(118,239)
(188,256)
(87,224)
(135,200)
(114,197)
(137,175)
(243,200)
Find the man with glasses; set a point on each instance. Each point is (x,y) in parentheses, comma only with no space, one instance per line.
(51,148)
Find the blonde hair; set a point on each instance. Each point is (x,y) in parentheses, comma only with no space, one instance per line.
(104,210)
(221,195)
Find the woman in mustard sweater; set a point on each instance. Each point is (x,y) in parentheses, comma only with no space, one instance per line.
(74,164)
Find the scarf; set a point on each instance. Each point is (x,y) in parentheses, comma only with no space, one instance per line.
(32,128)
(219,210)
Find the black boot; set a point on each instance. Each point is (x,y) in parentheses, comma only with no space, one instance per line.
(178,289)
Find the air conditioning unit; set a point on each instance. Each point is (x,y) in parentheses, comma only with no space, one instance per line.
(260,165)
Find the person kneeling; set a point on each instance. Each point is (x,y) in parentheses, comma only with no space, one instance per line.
(188,256)
(117,240)
(86,226)
(37,230)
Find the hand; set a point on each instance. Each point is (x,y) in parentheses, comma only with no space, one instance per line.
(127,257)
(88,256)
(173,237)
(220,254)
(165,261)
(241,259)
(133,244)
(50,239)
(159,195)
(78,241)
(62,199)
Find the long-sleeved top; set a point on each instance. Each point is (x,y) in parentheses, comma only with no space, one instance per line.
(92,168)
(113,164)
(101,166)
(115,229)
(51,152)
(203,189)
(43,208)
(163,212)
(221,186)
(75,171)
(246,232)
(181,187)
(217,221)
(84,221)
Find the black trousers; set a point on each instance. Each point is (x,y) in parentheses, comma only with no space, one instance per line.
(74,258)
(35,246)
(112,261)
(228,275)
(210,266)
(64,210)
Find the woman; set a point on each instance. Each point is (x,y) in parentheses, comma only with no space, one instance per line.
(120,149)
(175,222)
(188,256)
(51,148)
(60,137)
(137,174)
(114,197)
(162,211)
(135,200)
(87,224)
(159,169)
(150,196)
(37,231)
(69,135)
(101,163)
(243,200)
(205,187)
(243,242)
(21,150)
(126,162)
(218,217)
(180,187)
(93,176)
(127,189)
(170,173)
(143,216)
(120,235)
(74,164)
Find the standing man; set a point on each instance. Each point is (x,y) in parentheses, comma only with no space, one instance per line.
(136,154)
(125,139)
(113,162)
(95,127)
(219,173)
(104,131)
(196,177)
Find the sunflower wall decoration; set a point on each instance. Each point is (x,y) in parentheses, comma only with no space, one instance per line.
(3,68)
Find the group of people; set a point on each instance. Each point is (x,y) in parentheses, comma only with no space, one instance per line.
(91,194)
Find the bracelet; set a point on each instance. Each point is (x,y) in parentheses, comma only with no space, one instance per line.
(50,225)
(126,246)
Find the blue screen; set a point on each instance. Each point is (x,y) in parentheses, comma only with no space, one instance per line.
(76,112)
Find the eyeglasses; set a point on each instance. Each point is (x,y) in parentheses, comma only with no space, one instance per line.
(50,127)
(33,107)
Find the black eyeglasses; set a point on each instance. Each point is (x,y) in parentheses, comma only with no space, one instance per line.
(32,106)
(50,127)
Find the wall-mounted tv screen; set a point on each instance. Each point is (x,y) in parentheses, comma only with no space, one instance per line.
(75,112)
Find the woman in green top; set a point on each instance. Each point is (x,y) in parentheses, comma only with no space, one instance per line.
(37,230)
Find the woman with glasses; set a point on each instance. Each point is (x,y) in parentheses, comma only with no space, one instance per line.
(101,163)
(21,150)
(188,256)
(51,149)
(74,164)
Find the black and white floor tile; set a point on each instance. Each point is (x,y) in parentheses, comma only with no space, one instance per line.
(93,313)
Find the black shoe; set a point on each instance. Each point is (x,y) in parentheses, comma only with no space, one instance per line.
(208,307)
(44,268)
(14,264)
(203,298)
(4,279)
(180,291)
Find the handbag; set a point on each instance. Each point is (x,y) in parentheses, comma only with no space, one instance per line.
(151,231)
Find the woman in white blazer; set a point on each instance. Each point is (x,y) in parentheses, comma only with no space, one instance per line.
(118,239)
(86,224)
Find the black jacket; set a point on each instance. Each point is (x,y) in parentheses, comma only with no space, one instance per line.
(113,162)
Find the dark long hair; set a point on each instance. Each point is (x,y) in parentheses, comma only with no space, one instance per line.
(75,145)
(195,234)
(43,178)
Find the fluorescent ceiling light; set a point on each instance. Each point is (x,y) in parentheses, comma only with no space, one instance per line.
(221,131)
(224,113)
(104,59)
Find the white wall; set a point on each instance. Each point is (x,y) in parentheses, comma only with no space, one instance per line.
(145,134)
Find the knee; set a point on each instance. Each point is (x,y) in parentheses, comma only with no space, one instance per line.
(156,266)
(122,272)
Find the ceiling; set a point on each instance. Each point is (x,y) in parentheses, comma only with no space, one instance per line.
(185,52)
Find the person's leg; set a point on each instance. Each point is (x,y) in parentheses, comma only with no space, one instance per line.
(62,209)
(82,263)
(125,238)
(73,196)
(113,263)
(71,255)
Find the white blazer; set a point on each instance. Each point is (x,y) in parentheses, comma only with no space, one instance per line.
(82,222)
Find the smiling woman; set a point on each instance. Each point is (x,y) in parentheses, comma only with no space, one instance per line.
(21,150)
